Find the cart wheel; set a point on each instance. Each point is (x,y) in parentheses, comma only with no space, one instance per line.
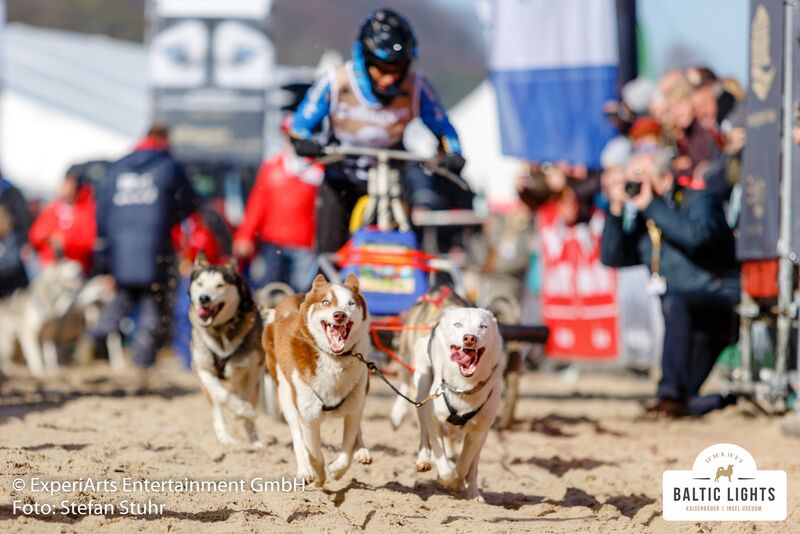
(510,391)
(270,398)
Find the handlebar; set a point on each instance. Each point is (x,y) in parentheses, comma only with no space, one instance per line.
(381,154)
(335,153)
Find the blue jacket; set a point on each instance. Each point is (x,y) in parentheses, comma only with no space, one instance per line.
(316,105)
(138,201)
(697,246)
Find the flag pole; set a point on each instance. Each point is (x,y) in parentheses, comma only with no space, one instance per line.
(786,306)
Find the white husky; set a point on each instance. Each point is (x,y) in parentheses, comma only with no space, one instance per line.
(462,359)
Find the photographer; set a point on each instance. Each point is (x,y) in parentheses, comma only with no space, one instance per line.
(682,235)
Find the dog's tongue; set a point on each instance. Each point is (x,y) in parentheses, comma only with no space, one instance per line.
(463,357)
(336,337)
(205,313)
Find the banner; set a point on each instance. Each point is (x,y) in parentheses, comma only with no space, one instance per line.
(794,243)
(210,64)
(759,220)
(578,293)
(553,65)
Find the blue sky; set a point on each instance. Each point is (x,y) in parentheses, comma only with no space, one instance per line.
(680,33)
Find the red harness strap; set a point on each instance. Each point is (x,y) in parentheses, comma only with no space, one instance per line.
(389,352)
(444,292)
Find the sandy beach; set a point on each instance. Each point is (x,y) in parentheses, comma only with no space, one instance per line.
(578,459)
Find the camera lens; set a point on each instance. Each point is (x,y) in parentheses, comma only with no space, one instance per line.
(632,188)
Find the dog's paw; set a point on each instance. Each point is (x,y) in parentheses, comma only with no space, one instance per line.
(227,439)
(473,494)
(339,466)
(363,456)
(424,463)
(241,408)
(454,484)
(306,476)
(423,466)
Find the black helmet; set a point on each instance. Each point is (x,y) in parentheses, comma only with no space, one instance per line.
(387,40)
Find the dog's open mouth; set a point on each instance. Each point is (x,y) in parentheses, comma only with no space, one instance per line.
(337,334)
(207,313)
(467,359)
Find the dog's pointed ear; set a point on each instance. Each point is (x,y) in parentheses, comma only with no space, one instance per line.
(318,281)
(201,260)
(488,314)
(351,282)
(233,264)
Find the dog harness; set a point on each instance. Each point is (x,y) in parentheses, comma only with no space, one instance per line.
(221,361)
(461,420)
(219,364)
(325,407)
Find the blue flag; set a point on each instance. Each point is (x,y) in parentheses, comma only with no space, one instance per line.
(553,65)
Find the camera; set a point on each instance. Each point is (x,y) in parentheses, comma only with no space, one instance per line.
(633,188)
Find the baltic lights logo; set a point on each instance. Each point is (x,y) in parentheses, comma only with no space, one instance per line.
(724,485)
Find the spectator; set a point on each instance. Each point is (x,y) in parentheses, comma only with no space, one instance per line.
(704,102)
(66,227)
(369,101)
(280,214)
(143,195)
(636,98)
(645,134)
(683,236)
(694,143)
(549,181)
(17,220)
(666,84)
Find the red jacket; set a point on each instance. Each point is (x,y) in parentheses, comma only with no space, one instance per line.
(191,236)
(73,224)
(281,207)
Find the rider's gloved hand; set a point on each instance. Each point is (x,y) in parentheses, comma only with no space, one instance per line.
(453,162)
(307,148)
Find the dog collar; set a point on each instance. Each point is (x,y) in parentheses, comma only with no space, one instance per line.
(325,407)
(476,389)
(461,420)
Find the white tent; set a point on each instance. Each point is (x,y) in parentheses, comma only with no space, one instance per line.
(475,119)
(67,98)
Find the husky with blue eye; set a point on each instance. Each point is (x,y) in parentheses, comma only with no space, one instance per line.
(226,345)
(312,348)
(461,362)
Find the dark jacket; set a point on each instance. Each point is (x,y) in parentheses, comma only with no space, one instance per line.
(13,201)
(12,270)
(697,250)
(138,201)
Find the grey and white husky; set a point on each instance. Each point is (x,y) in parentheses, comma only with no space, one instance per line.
(226,345)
